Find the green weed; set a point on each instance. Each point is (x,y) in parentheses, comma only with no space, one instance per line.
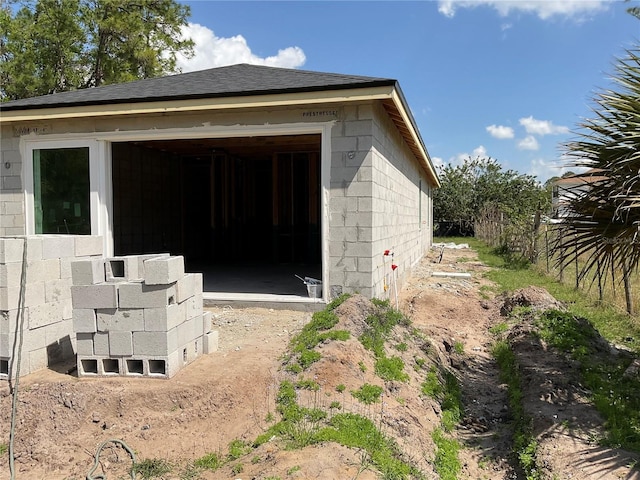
(152,468)
(210,461)
(390,369)
(308,385)
(340,388)
(237,448)
(446,462)
(368,393)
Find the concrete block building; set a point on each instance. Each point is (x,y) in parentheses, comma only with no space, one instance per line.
(254,175)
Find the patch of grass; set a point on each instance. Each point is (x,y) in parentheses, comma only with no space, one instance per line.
(362,366)
(150,468)
(401,347)
(340,388)
(432,387)
(308,358)
(524,443)
(390,369)
(237,469)
(336,302)
(498,329)
(308,385)
(368,393)
(190,472)
(335,405)
(355,431)
(293,470)
(269,417)
(419,363)
(209,461)
(446,462)
(614,395)
(4,448)
(458,347)
(238,448)
(256,459)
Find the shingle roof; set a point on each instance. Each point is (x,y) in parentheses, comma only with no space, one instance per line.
(233,80)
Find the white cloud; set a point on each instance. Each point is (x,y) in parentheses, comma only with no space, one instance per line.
(542,127)
(544,169)
(437,162)
(500,131)
(544,9)
(212,51)
(528,143)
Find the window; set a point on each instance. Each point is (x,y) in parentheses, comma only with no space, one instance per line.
(61,191)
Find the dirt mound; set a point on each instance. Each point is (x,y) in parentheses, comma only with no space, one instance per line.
(353,314)
(535,297)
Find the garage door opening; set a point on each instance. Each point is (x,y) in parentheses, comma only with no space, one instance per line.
(244,211)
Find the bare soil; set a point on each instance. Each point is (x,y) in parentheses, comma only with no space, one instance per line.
(231,394)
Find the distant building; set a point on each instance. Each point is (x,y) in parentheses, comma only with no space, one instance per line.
(567,188)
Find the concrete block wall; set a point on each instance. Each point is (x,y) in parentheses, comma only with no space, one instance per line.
(143,316)
(47,316)
(12,218)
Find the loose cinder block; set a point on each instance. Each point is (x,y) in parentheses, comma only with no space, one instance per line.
(11,250)
(144,258)
(123,319)
(45,314)
(38,359)
(163,319)
(103,295)
(189,330)
(87,245)
(120,269)
(88,271)
(55,246)
(11,319)
(155,343)
(188,286)
(206,322)
(193,306)
(84,344)
(84,320)
(33,295)
(140,295)
(57,290)
(163,270)
(210,342)
(101,343)
(10,273)
(120,343)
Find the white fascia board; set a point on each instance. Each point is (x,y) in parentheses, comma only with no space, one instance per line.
(196,105)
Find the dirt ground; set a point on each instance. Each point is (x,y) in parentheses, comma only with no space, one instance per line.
(230,395)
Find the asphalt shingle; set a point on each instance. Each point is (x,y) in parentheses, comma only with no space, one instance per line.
(233,80)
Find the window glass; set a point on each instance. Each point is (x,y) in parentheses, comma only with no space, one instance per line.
(61,191)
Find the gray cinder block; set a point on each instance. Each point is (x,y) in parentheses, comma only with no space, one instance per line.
(11,250)
(123,319)
(210,342)
(188,286)
(120,269)
(155,343)
(140,295)
(163,270)
(144,258)
(88,271)
(58,246)
(193,306)
(120,343)
(189,330)
(84,321)
(163,319)
(84,344)
(206,322)
(101,344)
(104,295)
(87,245)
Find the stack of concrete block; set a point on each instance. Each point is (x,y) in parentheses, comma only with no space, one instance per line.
(44,283)
(138,315)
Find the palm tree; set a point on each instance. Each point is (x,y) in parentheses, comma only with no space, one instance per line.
(604,220)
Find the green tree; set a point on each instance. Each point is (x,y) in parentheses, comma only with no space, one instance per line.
(50,46)
(604,225)
(479,183)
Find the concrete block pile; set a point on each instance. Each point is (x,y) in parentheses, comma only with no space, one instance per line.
(44,283)
(138,315)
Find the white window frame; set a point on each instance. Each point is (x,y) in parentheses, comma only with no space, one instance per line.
(99,183)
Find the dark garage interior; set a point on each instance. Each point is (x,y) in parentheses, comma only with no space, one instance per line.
(245,211)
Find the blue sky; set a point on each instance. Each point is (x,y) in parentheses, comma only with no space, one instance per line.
(507,79)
